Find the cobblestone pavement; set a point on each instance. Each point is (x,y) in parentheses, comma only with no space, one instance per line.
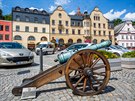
(121,86)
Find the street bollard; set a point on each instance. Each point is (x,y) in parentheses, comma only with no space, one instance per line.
(41,60)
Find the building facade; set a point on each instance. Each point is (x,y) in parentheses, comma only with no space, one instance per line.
(5,31)
(66,28)
(30,26)
(125,34)
(101,28)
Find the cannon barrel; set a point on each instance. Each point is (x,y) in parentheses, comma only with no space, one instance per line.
(63,57)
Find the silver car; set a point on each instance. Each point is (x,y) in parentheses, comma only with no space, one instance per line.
(13,53)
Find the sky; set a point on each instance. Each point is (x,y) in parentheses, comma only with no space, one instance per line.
(111,9)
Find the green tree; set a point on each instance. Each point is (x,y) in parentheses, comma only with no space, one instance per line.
(117,21)
(8,17)
(1,15)
(133,22)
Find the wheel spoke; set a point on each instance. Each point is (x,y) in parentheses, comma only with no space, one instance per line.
(79,81)
(90,59)
(84,84)
(76,62)
(98,81)
(95,62)
(83,58)
(99,67)
(91,84)
(79,74)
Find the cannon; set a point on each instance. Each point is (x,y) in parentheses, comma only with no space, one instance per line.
(87,72)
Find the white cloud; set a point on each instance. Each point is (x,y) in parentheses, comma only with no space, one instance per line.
(52,8)
(114,14)
(129,16)
(72,12)
(36,8)
(61,2)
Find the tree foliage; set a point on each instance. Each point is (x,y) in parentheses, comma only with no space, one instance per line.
(117,21)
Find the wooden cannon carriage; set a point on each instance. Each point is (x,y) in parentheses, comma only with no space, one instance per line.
(87,71)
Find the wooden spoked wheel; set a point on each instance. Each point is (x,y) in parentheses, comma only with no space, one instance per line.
(87,72)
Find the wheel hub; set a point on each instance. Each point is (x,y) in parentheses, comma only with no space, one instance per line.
(88,72)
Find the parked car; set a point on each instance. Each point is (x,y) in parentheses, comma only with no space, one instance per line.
(77,46)
(46,48)
(113,50)
(13,53)
(124,49)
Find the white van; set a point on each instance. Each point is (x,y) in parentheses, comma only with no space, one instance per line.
(47,47)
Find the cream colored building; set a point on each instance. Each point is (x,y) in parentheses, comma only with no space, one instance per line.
(65,28)
(101,29)
(30,26)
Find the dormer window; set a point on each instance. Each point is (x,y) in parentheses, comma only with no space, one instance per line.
(44,12)
(18,9)
(35,11)
(60,15)
(27,10)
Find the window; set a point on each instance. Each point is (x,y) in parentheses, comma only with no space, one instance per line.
(122,37)
(99,32)
(126,37)
(104,33)
(35,29)
(128,29)
(87,24)
(43,30)
(73,31)
(43,21)
(60,15)
(53,30)
(79,24)
(60,31)
(27,19)
(17,37)
(60,22)
(6,37)
(103,25)
(17,18)
(1,27)
(94,32)
(53,22)
(99,26)
(130,37)
(7,28)
(109,32)
(94,25)
(73,23)
(122,44)
(26,29)
(31,38)
(66,23)
(79,32)
(17,28)
(1,37)
(36,20)
(66,31)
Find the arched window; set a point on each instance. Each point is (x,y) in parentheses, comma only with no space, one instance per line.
(43,38)
(95,41)
(60,15)
(70,41)
(17,37)
(35,11)
(79,41)
(27,10)
(44,12)
(61,41)
(31,38)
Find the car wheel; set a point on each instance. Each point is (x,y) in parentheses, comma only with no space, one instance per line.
(117,54)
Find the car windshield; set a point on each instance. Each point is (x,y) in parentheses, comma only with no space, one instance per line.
(42,45)
(79,46)
(11,45)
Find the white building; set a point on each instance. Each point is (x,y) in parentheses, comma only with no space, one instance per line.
(125,34)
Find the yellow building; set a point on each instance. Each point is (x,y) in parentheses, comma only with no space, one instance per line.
(66,28)
(101,28)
